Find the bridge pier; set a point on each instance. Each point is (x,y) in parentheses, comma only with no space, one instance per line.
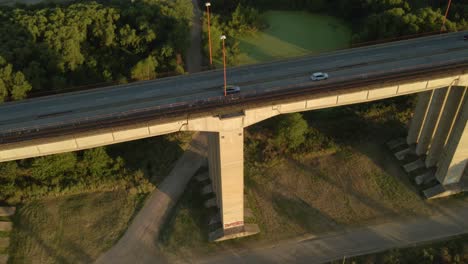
(440,131)
(433,113)
(226,170)
(454,159)
(418,118)
(445,124)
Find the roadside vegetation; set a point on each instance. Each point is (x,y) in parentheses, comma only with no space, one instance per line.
(450,251)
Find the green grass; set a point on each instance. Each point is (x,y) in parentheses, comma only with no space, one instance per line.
(70,229)
(4,234)
(293,34)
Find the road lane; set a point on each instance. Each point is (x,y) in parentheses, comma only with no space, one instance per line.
(255,72)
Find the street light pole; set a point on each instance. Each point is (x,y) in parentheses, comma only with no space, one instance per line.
(208,4)
(223,37)
(445,17)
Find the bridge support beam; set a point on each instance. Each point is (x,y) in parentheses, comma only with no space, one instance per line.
(419,116)
(433,114)
(439,132)
(455,156)
(444,126)
(226,169)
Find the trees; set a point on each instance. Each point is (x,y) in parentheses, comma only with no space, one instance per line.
(290,131)
(54,170)
(53,47)
(12,84)
(145,69)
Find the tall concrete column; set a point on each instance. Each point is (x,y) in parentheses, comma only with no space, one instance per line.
(432,118)
(445,125)
(226,169)
(418,118)
(455,156)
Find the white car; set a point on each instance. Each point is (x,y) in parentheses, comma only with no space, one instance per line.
(232,89)
(318,76)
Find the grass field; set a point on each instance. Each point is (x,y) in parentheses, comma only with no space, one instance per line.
(70,229)
(293,34)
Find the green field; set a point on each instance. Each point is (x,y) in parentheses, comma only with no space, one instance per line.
(293,34)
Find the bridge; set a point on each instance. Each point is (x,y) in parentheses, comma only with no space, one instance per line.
(436,67)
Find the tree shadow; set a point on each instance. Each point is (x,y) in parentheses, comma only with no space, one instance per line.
(154,156)
(191,224)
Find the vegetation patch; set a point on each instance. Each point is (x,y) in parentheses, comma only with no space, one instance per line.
(286,36)
(70,229)
(4,234)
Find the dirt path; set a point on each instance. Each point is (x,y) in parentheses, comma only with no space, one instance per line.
(194,57)
(371,239)
(138,245)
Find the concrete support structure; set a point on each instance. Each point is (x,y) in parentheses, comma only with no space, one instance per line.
(444,126)
(440,132)
(419,116)
(432,116)
(454,159)
(226,166)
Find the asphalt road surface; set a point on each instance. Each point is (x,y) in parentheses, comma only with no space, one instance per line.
(364,62)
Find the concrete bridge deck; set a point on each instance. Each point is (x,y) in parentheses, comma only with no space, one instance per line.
(182,95)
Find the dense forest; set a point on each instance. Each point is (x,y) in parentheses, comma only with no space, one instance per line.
(45,48)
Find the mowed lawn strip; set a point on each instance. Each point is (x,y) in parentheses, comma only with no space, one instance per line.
(292,34)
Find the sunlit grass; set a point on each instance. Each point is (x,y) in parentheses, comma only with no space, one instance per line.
(292,34)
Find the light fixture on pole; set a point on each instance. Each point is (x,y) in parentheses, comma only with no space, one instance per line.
(445,17)
(208,4)
(223,37)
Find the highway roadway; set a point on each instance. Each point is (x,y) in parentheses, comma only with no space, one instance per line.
(73,109)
